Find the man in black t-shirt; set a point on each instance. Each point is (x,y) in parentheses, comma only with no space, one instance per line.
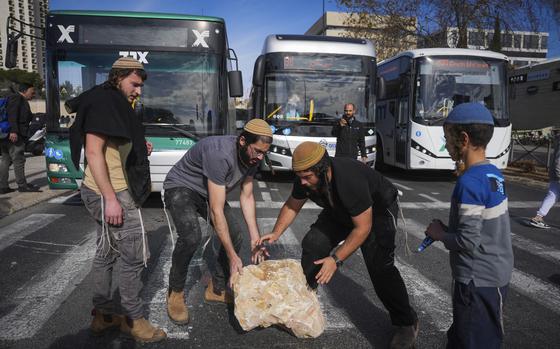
(359,208)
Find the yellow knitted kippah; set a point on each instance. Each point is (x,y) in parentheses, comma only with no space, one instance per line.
(127,63)
(258,127)
(306,155)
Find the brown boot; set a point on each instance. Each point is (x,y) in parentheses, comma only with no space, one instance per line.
(176,307)
(103,322)
(212,297)
(143,331)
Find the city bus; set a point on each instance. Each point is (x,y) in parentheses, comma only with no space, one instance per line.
(417,90)
(534,95)
(300,86)
(185,97)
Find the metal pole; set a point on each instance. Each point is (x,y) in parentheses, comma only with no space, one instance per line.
(324,21)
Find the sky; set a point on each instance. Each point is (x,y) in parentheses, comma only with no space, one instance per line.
(248,22)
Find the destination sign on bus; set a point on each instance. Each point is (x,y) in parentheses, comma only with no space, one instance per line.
(323,62)
(197,36)
(461,64)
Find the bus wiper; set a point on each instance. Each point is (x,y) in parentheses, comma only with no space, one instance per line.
(180,130)
(436,120)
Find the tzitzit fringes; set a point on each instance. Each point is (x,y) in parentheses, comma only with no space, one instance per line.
(167,217)
(144,250)
(407,250)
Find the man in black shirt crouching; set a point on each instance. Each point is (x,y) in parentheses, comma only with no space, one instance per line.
(359,208)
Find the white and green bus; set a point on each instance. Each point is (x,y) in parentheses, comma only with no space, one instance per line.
(185,98)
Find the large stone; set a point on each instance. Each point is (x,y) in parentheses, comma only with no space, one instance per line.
(275,293)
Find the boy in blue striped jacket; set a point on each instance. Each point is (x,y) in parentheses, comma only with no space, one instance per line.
(478,237)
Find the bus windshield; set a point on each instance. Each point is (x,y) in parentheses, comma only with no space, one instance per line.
(181,90)
(445,82)
(313,98)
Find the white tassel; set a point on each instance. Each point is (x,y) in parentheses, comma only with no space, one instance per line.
(167,216)
(144,251)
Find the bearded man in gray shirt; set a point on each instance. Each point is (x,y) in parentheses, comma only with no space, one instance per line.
(196,187)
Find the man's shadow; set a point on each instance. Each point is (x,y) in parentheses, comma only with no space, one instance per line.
(372,322)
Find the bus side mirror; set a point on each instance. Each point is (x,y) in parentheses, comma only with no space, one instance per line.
(12,52)
(258,71)
(235,83)
(381,89)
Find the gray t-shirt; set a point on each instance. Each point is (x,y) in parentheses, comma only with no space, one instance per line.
(213,158)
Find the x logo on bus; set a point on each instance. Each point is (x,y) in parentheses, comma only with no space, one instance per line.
(65,33)
(200,38)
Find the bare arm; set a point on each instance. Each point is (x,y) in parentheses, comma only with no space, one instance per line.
(287,214)
(95,155)
(247,202)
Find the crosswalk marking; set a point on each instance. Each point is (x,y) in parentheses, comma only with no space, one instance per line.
(537,290)
(261,185)
(157,286)
(63,199)
(266,196)
(42,297)
(546,252)
(429,298)
(45,293)
(402,186)
(336,317)
(18,230)
(431,198)
(418,205)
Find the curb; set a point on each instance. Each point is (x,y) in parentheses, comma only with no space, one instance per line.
(13,202)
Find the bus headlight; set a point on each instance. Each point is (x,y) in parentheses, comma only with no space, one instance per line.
(58,168)
(276,149)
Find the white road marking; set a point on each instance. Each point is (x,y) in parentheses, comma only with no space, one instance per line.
(261,184)
(276,204)
(41,297)
(429,298)
(274,189)
(336,317)
(62,199)
(157,286)
(18,230)
(536,248)
(402,186)
(434,193)
(266,196)
(436,205)
(431,198)
(539,291)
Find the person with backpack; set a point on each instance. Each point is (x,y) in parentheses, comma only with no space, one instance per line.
(19,115)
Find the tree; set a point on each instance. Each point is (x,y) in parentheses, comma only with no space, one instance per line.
(427,21)
(18,76)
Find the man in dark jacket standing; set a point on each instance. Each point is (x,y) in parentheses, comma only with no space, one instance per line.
(349,135)
(13,147)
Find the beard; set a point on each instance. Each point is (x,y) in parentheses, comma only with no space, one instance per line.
(243,157)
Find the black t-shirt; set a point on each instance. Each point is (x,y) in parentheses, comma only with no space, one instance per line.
(355,187)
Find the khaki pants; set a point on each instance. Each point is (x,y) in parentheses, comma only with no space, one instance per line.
(126,242)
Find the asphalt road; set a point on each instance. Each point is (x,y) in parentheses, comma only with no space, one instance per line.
(45,286)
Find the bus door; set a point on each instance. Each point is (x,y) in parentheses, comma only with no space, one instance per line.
(401,132)
(402,113)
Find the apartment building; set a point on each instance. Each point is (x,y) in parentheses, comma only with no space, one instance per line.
(31,51)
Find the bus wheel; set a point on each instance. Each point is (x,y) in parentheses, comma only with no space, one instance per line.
(379,163)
